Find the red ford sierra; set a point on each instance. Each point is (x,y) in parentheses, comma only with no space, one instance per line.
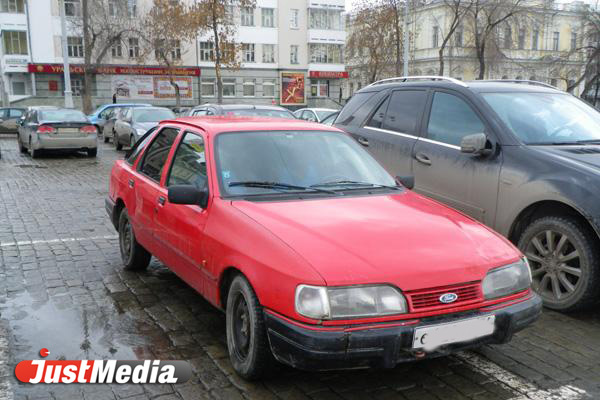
(319,258)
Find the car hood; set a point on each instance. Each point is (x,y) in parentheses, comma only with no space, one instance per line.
(403,239)
(588,155)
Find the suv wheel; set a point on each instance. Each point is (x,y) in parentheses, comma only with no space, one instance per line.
(562,254)
(247,341)
(134,256)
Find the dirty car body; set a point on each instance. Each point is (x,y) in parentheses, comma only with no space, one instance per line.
(314,252)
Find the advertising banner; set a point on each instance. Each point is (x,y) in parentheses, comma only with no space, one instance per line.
(150,87)
(115,70)
(293,88)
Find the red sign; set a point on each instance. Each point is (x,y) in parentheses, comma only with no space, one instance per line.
(328,74)
(115,70)
(53,86)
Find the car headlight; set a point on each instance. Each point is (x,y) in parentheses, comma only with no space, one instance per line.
(320,302)
(507,280)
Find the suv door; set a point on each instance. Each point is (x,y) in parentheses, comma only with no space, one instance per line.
(393,128)
(466,182)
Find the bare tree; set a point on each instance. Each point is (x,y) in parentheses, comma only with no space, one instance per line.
(457,9)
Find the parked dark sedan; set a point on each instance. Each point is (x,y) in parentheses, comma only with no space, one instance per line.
(522,158)
(241,110)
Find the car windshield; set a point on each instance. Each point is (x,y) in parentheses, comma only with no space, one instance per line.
(152,114)
(546,118)
(261,113)
(286,161)
(63,116)
(322,114)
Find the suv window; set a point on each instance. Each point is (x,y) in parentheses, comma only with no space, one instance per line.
(377,118)
(451,119)
(355,102)
(404,111)
(157,153)
(189,163)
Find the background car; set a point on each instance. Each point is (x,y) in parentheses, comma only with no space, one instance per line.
(101,115)
(241,110)
(9,118)
(53,128)
(330,119)
(314,114)
(134,122)
(524,158)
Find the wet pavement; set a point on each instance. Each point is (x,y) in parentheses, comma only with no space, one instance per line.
(62,287)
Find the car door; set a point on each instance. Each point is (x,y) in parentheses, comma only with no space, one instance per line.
(29,128)
(148,192)
(180,228)
(4,120)
(11,122)
(466,182)
(393,128)
(123,125)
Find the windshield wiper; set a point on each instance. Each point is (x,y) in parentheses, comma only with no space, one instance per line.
(574,143)
(278,186)
(353,183)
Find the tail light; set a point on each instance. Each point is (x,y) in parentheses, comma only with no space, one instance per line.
(88,129)
(46,129)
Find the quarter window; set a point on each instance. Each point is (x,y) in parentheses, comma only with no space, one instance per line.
(157,154)
(404,111)
(189,163)
(451,119)
(377,118)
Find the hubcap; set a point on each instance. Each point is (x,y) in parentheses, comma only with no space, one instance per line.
(241,327)
(555,265)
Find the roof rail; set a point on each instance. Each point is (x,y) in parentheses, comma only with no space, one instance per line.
(420,77)
(526,81)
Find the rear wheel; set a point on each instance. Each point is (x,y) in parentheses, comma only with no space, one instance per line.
(134,256)
(22,148)
(106,138)
(34,153)
(247,341)
(92,152)
(562,253)
(118,145)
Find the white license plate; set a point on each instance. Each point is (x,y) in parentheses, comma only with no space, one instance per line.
(431,337)
(68,131)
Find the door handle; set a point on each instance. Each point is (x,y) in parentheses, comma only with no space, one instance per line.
(162,200)
(131,183)
(422,158)
(363,141)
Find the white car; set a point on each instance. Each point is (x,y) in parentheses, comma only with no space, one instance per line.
(314,114)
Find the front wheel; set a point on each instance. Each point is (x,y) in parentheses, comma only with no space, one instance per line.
(563,255)
(92,152)
(247,341)
(134,256)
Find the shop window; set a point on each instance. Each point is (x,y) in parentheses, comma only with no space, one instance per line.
(319,88)
(18,88)
(76,86)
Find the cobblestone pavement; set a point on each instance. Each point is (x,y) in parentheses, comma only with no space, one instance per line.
(62,287)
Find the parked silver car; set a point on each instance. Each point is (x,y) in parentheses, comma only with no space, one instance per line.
(314,114)
(133,123)
(55,128)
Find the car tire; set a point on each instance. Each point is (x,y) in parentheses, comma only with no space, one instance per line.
(35,153)
(134,256)
(106,138)
(92,152)
(22,148)
(247,341)
(118,145)
(563,255)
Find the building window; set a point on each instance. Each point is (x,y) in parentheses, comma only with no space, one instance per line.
(535,39)
(553,82)
(72,8)
(269,88)
(507,38)
(319,88)
(573,40)
(249,87)
(12,6)
(321,18)
(268,53)
(294,54)
(229,87)
(176,50)
(208,87)
(76,86)
(248,52)
(113,7)
(75,46)
(268,17)
(15,42)
(131,8)
(326,53)
(116,50)
(435,36)
(294,18)
(521,39)
(555,40)
(207,52)
(458,37)
(247,16)
(134,47)
(18,88)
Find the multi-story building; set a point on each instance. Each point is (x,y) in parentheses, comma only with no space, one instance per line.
(302,39)
(540,43)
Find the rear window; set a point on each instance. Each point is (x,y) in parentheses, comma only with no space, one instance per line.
(62,116)
(261,113)
(142,114)
(347,113)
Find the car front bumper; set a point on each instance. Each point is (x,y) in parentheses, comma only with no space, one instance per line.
(384,346)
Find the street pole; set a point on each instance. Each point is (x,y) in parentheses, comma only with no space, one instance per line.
(406,37)
(3,94)
(66,66)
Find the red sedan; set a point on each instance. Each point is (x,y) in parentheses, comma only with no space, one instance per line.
(319,257)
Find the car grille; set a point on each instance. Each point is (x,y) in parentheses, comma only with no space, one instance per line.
(429,299)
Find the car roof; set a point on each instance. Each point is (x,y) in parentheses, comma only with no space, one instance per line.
(243,107)
(475,86)
(127,105)
(214,125)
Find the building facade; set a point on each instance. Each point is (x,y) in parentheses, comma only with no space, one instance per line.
(282,40)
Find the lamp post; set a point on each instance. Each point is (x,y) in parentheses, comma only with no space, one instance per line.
(66,66)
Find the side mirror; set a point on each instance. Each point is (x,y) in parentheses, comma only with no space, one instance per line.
(406,181)
(188,194)
(477,143)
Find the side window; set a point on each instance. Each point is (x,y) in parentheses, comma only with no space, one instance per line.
(15,113)
(200,112)
(139,146)
(376,120)
(355,102)
(189,163)
(157,153)
(3,113)
(451,119)
(404,111)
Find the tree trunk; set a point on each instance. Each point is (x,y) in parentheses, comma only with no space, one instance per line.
(481,59)
(217,54)
(441,57)
(87,56)
(177,91)
(398,38)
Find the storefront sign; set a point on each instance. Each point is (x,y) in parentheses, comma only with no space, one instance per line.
(53,86)
(328,74)
(113,70)
(150,87)
(293,88)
